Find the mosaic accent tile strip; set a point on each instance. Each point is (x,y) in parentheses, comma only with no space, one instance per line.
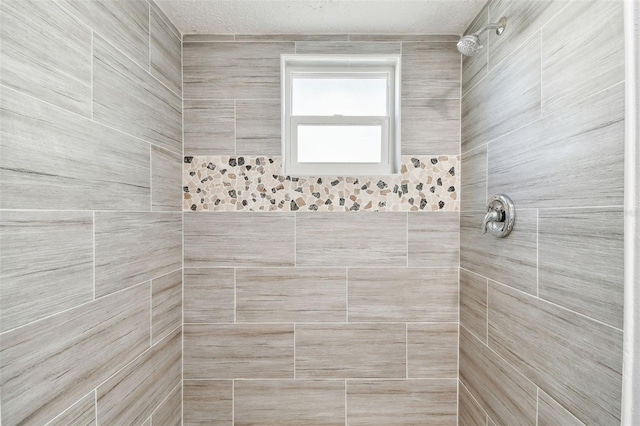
(229,183)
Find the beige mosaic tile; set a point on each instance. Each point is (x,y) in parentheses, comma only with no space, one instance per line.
(230,183)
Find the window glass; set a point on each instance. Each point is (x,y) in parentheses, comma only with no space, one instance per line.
(339,144)
(339,96)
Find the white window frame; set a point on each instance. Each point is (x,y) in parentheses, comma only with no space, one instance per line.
(342,66)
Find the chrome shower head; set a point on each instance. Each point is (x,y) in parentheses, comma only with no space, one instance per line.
(469,45)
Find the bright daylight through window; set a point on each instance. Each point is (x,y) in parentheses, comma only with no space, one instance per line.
(340,114)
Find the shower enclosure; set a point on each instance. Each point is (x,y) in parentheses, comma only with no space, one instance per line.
(157,268)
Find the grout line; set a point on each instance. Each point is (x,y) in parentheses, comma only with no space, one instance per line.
(537,253)
(83,304)
(151,313)
(149,37)
(233,401)
(407,238)
(294,350)
(150,178)
(564,308)
(487,311)
(537,403)
(235,298)
(295,239)
(93,214)
(93,210)
(155,410)
(92,64)
(66,111)
(316,379)
(346,419)
(235,127)
(541,97)
(406,350)
(320,267)
(328,323)
(500,357)
(551,113)
(347,291)
(74,404)
(182,211)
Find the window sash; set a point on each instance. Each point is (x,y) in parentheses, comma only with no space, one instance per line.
(345,168)
(342,66)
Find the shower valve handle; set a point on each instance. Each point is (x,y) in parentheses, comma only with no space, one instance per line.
(500,216)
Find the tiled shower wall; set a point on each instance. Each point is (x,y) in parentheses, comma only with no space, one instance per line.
(90,219)
(541,311)
(296,316)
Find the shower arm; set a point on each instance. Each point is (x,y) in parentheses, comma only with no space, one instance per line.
(499,27)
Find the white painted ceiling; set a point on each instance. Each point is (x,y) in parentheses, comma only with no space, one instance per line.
(321,16)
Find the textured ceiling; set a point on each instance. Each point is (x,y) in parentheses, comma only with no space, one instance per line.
(321,16)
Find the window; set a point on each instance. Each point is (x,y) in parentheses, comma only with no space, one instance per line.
(340,114)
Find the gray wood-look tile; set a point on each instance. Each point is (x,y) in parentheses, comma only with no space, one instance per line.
(432,350)
(404,37)
(208,402)
(134,247)
(577,361)
(511,260)
(169,413)
(346,239)
(550,413)
(402,402)
(343,47)
(430,126)
(473,303)
(569,71)
(82,413)
(129,99)
(232,239)
(403,294)
(186,38)
(289,402)
(46,264)
(292,37)
(474,68)
(166,305)
(55,159)
(166,180)
(209,127)
(166,19)
(581,255)
(165,51)
(473,180)
(350,350)
(434,239)
(524,19)
(508,98)
(208,295)
(430,70)
(573,158)
(46,52)
(132,394)
(232,351)
(469,412)
(233,70)
(502,391)
(35,375)
(291,295)
(258,128)
(125,24)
